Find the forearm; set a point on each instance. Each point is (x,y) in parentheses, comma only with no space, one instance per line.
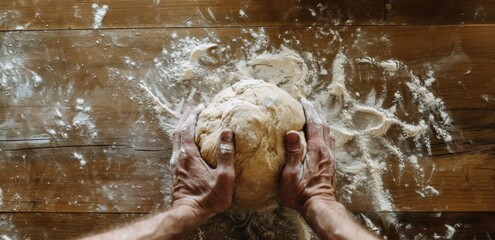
(330,220)
(170,224)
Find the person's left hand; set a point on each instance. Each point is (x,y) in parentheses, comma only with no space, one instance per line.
(205,190)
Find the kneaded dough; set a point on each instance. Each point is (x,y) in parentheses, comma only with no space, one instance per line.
(259,114)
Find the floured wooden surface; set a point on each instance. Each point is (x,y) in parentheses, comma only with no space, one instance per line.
(83,125)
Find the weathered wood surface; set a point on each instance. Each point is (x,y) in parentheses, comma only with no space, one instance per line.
(467,225)
(61,14)
(48,192)
(126,161)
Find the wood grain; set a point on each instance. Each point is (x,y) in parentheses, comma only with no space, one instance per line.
(126,169)
(60,14)
(35,226)
(48,192)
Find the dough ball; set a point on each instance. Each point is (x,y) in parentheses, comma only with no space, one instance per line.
(259,114)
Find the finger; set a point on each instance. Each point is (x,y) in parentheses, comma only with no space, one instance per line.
(326,128)
(188,132)
(226,151)
(176,138)
(332,145)
(314,125)
(177,131)
(294,151)
(327,134)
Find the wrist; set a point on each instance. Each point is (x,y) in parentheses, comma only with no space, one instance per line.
(192,213)
(178,220)
(314,204)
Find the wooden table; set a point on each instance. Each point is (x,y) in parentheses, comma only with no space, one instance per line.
(62,182)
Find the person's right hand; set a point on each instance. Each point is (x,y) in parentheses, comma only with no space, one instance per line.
(312,179)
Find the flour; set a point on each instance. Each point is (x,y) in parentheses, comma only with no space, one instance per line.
(370,225)
(428,191)
(242,14)
(5,237)
(390,66)
(363,127)
(82,119)
(16,78)
(98,14)
(80,158)
(1,197)
(449,233)
(192,70)
(487,98)
(8,229)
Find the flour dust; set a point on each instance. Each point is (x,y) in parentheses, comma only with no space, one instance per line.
(99,13)
(371,130)
(395,120)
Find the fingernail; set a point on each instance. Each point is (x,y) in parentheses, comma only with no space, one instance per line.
(292,137)
(201,106)
(318,106)
(304,100)
(226,136)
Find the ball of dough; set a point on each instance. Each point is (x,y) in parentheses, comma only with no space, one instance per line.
(259,114)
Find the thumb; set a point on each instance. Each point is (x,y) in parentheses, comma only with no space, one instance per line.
(293,150)
(225,150)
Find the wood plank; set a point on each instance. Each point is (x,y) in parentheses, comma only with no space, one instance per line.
(403,12)
(58,226)
(113,178)
(38,166)
(467,225)
(59,14)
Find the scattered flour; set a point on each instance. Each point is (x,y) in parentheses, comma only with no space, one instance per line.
(488,98)
(193,70)
(5,237)
(449,233)
(242,14)
(390,66)
(60,122)
(370,225)
(1,197)
(8,229)
(80,158)
(99,14)
(16,78)
(428,191)
(82,119)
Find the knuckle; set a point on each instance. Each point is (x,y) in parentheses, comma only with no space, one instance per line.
(326,128)
(316,145)
(176,133)
(185,152)
(332,136)
(314,121)
(288,174)
(226,149)
(226,175)
(184,129)
(294,150)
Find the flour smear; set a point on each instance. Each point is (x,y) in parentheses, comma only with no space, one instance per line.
(99,13)
(371,130)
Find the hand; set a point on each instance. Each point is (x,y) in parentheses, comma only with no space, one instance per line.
(313,179)
(204,190)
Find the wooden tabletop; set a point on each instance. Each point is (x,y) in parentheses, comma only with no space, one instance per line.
(61,182)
